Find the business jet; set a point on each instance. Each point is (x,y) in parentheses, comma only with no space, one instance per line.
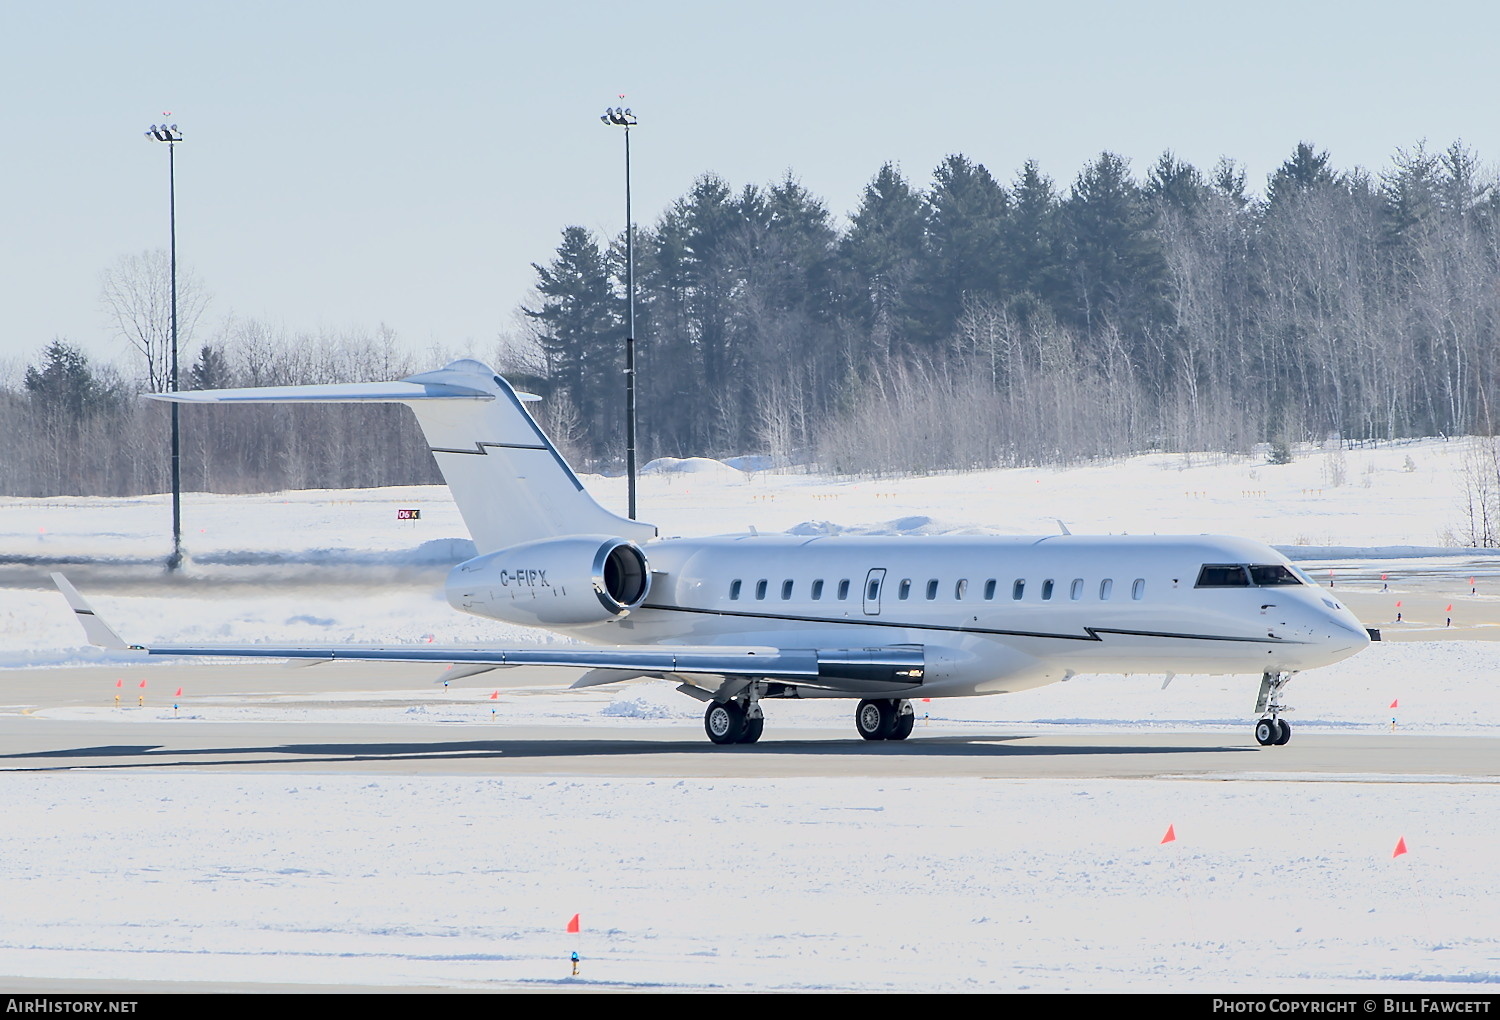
(737,619)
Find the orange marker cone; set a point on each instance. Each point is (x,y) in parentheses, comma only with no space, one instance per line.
(120,682)
(1393,703)
(1171,834)
(495,696)
(573,924)
(1400,848)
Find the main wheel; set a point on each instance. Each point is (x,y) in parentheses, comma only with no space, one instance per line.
(724,721)
(753,729)
(875,720)
(905,721)
(1266,732)
(1285,733)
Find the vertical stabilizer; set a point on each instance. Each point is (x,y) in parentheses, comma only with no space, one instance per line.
(509,481)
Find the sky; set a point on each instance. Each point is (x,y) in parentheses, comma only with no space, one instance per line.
(346,167)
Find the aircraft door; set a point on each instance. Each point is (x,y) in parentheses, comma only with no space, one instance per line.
(874,581)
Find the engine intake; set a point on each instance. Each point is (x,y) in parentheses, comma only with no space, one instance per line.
(553,581)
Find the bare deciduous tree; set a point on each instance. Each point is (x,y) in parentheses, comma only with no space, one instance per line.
(137,295)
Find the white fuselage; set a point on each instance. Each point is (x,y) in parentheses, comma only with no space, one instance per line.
(993,614)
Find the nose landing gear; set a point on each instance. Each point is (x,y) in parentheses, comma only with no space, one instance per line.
(1272,729)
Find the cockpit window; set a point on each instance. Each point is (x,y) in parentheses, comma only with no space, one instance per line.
(1272,574)
(1239,575)
(1223,575)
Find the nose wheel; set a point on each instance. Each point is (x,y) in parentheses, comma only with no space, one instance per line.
(1272,729)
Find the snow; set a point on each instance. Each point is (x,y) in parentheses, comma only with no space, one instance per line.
(297,877)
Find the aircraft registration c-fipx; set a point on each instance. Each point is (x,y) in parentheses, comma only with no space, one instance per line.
(737,619)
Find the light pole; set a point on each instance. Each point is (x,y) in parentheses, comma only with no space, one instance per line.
(171,135)
(625,119)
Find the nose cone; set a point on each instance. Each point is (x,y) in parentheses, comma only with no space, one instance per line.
(1338,634)
(1348,638)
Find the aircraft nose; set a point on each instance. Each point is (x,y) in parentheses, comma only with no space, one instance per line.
(1339,636)
(1352,637)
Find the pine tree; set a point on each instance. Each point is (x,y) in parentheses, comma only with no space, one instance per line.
(882,252)
(967,213)
(1114,255)
(1033,272)
(64,389)
(1305,170)
(579,329)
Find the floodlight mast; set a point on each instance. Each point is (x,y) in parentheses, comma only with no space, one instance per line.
(618,117)
(171,135)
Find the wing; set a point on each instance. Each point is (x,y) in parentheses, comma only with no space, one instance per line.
(882,670)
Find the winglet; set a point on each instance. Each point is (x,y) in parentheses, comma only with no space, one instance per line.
(96,630)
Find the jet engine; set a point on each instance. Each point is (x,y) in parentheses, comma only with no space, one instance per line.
(580,579)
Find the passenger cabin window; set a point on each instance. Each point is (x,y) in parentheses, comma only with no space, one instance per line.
(874,592)
(1018,589)
(786,589)
(1105,587)
(1047,590)
(961,587)
(1076,591)
(989,589)
(817,589)
(760,588)
(932,589)
(844,590)
(1138,589)
(904,591)
(734,589)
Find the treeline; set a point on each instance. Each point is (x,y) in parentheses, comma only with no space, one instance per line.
(969,324)
(978,323)
(77,428)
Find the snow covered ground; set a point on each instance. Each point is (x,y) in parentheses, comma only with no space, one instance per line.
(302,877)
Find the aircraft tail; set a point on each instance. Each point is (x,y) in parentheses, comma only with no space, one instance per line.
(510,483)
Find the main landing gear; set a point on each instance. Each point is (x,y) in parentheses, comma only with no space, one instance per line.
(886,719)
(734,722)
(1272,729)
(738,720)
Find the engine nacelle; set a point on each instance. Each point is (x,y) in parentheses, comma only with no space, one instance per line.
(553,581)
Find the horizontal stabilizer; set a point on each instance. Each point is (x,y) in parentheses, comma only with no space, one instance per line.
(508,480)
(337,393)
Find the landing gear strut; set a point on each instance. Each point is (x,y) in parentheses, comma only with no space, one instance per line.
(1272,729)
(885,719)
